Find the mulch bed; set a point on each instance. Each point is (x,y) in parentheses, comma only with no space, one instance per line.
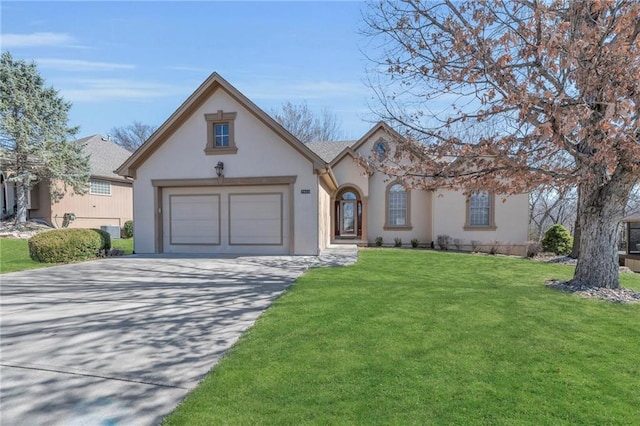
(616,295)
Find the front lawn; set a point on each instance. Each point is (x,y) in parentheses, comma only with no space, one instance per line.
(14,254)
(423,337)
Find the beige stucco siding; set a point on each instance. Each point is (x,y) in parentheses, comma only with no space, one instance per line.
(324,217)
(419,214)
(511,215)
(261,153)
(349,173)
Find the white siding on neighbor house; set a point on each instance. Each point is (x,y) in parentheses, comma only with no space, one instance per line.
(260,153)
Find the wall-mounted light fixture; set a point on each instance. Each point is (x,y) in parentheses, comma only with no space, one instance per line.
(220,169)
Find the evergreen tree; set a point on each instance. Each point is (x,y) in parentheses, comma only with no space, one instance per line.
(33,135)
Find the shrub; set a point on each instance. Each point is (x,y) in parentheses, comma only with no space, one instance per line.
(558,240)
(443,241)
(127,229)
(475,245)
(67,245)
(414,243)
(378,241)
(494,248)
(458,243)
(397,242)
(533,248)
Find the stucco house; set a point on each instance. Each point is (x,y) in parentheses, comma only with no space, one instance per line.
(221,176)
(108,201)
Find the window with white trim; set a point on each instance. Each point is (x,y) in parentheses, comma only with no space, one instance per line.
(99,187)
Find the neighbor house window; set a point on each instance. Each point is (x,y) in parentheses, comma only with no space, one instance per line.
(99,187)
(397,207)
(220,133)
(480,211)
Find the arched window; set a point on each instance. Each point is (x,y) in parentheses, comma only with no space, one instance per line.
(397,207)
(349,196)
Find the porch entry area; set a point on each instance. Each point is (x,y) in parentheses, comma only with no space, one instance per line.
(348,216)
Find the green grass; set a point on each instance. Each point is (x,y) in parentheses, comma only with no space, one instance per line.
(14,254)
(123,244)
(423,337)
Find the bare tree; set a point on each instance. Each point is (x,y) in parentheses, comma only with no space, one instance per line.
(304,124)
(563,74)
(132,136)
(549,205)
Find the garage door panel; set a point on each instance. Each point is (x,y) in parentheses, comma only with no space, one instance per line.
(256,219)
(194,219)
(227,220)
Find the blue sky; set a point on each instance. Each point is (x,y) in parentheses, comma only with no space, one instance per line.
(123,61)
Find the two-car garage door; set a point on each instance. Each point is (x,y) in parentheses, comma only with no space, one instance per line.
(253,219)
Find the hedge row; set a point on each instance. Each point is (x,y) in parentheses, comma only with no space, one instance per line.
(68,245)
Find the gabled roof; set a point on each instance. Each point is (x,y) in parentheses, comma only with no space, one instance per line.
(104,156)
(213,83)
(328,150)
(351,150)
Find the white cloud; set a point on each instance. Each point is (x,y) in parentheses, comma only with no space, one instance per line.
(36,39)
(98,90)
(80,65)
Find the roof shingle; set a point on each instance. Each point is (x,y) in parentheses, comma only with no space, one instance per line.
(328,150)
(104,156)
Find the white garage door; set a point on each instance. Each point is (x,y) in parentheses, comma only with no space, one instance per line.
(234,220)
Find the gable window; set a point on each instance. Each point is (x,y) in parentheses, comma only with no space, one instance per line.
(398,203)
(480,211)
(381,148)
(220,133)
(99,187)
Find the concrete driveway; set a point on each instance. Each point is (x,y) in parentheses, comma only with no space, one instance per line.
(122,340)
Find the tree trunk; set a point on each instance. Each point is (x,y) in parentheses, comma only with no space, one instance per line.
(575,251)
(600,208)
(21,203)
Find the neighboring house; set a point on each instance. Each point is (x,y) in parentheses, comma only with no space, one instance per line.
(631,258)
(108,201)
(221,176)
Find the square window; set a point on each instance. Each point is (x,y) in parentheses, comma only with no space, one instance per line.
(99,187)
(221,131)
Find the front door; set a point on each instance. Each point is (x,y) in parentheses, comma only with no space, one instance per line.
(348,218)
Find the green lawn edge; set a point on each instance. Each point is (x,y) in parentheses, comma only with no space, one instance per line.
(423,337)
(14,254)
